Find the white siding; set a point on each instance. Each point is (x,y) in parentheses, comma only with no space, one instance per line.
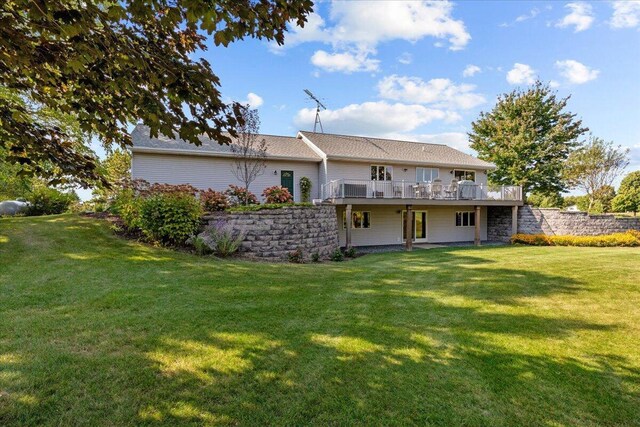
(386,225)
(337,169)
(215,172)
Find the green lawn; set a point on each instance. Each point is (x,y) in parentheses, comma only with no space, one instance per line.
(96,330)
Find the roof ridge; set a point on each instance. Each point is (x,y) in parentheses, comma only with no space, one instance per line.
(381,139)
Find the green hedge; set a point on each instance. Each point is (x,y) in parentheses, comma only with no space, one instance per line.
(170,218)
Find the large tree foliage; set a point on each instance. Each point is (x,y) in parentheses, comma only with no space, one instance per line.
(249,149)
(628,198)
(594,166)
(113,63)
(116,170)
(528,136)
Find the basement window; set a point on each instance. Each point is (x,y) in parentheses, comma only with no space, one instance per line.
(466,219)
(359,219)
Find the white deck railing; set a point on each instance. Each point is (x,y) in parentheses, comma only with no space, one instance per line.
(355,188)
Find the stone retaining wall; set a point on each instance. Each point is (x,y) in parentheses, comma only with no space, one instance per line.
(274,233)
(554,222)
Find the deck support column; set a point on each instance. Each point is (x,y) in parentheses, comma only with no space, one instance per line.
(514,220)
(349,226)
(477,226)
(409,229)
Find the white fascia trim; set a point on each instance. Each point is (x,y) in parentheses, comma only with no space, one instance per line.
(151,150)
(311,145)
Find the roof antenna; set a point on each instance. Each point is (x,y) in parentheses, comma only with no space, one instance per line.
(318,105)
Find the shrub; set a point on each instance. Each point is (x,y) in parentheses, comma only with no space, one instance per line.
(315,257)
(305,189)
(277,194)
(214,201)
(201,246)
(531,239)
(296,257)
(629,238)
(126,205)
(170,218)
(240,196)
(337,255)
(49,201)
(223,239)
(350,252)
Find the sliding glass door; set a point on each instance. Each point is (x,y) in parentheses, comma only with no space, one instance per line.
(419,228)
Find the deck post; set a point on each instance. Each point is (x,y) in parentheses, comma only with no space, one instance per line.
(349,225)
(514,220)
(409,229)
(477,226)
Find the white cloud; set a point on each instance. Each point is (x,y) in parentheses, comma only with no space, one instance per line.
(532,14)
(581,17)
(406,58)
(359,26)
(374,118)
(253,100)
(471,70)
(554,84)
(346,62)
(576,72)
(442,93)
(521,74)
(626,14)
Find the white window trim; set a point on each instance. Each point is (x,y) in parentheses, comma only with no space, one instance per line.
(344,220)
(462,219)
(475,173)
(426,167)
(386,167)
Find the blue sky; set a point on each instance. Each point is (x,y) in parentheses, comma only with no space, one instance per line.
(397,69)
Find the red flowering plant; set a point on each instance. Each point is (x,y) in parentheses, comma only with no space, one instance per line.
(277,194)
(214,201)
(241,196)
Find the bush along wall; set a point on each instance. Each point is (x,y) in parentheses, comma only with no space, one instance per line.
(629,238)
(276,233)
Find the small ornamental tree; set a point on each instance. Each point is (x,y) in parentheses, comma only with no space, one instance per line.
(528,136)
(250,151)
(628,198)
(277,194)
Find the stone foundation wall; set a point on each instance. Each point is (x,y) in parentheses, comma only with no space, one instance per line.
(554,222)
(274,233)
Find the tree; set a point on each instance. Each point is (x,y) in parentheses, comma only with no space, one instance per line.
(112,63)
(528,136)
(628,198)
(581,202)
(116,170)
(595,165)
(602,199)
(250,152)
(552,200)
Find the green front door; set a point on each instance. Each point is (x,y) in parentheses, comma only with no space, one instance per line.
(286,180)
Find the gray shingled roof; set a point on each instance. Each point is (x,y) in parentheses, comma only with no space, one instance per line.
(365,148)
(277,146)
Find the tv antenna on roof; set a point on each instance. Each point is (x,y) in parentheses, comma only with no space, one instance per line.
(318,105)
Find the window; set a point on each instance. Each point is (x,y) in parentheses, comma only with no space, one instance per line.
(358,219)
(426,174)
(464,175)
(465,219)
(381,173)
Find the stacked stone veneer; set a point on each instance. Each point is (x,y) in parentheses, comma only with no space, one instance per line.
(274,233)
(554,221)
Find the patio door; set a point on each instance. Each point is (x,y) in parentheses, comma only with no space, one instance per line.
(419,229)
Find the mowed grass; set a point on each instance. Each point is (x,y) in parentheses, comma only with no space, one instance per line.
(96,330)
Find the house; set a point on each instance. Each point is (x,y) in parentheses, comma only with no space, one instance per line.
(375,184)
